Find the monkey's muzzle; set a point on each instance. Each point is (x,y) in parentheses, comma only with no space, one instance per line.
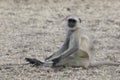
(72,23)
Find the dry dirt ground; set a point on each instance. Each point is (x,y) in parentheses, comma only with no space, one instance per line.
(35,28)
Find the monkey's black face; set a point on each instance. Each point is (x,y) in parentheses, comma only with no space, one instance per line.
(72,23)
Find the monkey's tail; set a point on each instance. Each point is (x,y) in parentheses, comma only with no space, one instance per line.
(95,64)
(38,62)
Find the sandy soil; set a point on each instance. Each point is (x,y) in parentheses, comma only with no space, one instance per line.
(34,28)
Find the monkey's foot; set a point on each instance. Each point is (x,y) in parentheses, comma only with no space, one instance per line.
(34,61)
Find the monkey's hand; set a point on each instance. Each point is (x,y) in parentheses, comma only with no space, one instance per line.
(56,60)
(34,61)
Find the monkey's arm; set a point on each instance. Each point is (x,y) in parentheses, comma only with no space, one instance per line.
(62,49)
(73,47)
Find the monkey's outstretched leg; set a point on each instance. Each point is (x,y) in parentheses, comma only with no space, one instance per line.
(38,62)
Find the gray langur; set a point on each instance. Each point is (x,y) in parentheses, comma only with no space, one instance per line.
(77,50)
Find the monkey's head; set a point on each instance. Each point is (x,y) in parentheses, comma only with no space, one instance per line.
(72,22)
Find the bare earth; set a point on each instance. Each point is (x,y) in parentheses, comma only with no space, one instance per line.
(35,28)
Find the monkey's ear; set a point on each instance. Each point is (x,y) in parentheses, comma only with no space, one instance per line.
(80,20)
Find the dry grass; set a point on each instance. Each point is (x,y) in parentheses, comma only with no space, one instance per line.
(34,28)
